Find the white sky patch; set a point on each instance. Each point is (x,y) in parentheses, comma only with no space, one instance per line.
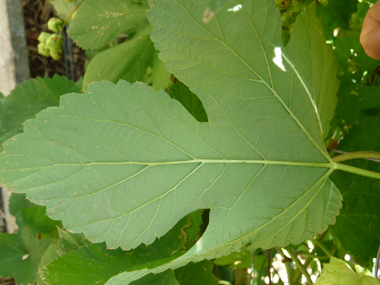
(236,8)
(278,58)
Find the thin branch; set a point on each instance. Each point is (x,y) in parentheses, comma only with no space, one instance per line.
(323,247)
(300,265)
(9,222)
(312,255)
(285,261)
(260,272)
(376,267)
(252,263)
(269,266)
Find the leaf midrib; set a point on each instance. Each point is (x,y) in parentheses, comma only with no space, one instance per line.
(329,165)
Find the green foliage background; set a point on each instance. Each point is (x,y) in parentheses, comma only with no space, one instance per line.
(237,119)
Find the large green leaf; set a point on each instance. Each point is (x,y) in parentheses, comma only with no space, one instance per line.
(94,264)
(98,22)
(128,61)
(21,254)
(358,225)
(27,99)
(123,164)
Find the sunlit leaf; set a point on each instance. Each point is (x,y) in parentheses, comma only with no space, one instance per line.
(123,164)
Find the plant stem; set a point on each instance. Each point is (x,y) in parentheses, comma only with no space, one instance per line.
(359,171)
(11,223)
(287,265)
(252,265)
(310,254)
(260,272)
(72,12)
(356,155)
(269,266)
(300,266)
(323,247)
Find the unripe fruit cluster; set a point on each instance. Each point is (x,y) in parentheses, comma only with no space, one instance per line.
(50,44)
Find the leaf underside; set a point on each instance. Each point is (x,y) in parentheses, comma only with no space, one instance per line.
(123,164)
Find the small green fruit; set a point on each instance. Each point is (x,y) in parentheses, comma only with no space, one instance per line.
(55,24)
(42,38)
(43,50)
(54,42)
(56,54)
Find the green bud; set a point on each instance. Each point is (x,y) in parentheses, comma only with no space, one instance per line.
(56,54)
(42,38)
(54,42)
(55,24)
(43,50)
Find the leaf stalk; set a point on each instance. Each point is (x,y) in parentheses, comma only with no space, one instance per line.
(356,155)
(359,171)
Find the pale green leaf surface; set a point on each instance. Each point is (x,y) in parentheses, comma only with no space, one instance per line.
(127,163)
(98,22)
(128,61)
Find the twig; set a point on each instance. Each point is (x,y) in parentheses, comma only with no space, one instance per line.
(260,272)
(252,263)
(269,266)
(9,222)
(311,254)
(285,260)
(300,265)
(323,247)
(376,268)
